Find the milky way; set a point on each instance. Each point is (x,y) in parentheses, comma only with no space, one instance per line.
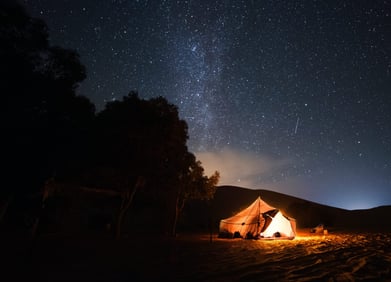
(291,96)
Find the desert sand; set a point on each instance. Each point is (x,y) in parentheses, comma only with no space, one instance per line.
(356,248)
(202,257)
(334,257)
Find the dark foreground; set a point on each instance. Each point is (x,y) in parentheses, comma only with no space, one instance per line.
(334,257)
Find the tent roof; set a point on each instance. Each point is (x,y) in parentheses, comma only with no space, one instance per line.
(254,210)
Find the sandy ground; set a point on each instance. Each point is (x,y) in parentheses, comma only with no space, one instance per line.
(337,257)
(309,257)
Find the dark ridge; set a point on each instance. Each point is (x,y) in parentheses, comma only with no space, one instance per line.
(229,200)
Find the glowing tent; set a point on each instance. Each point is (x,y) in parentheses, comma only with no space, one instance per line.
(258,220)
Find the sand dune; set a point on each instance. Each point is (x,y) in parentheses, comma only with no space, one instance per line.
(229,200)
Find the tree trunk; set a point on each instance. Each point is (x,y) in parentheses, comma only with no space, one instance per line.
(210,223)
(178,209)
(48,188)
(173,231)
(35,227)
(120,218)
(127,199)
(5,206)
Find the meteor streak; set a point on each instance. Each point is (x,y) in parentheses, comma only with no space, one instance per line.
(297,124)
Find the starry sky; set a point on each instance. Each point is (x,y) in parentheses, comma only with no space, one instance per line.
(284,95)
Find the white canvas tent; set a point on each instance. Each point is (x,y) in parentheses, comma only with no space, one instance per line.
(258,220)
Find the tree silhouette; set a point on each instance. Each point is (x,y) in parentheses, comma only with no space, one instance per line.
(137,142)
(42,119)
(53,136)
(193,184)
(140,146)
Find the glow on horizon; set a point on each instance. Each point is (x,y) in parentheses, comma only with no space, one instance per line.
(243,169)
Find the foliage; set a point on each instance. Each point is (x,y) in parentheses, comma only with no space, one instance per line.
(50,132)
(41,117)
(193,185)
(138,139)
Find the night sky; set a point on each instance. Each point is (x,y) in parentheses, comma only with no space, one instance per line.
(289,96)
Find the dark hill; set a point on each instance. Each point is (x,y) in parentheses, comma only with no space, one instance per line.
(229,200)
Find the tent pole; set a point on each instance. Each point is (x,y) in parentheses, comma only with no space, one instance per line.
(259,216)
